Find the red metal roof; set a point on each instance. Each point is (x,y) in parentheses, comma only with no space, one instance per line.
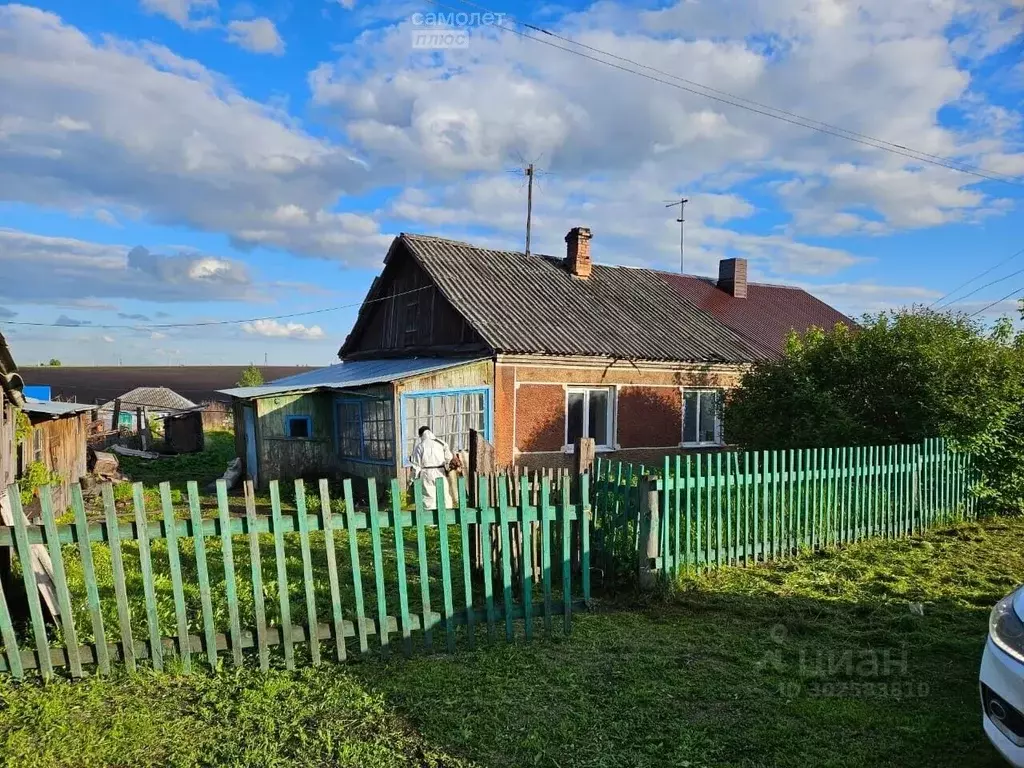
(766,316)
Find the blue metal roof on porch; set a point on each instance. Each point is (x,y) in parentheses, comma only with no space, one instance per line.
(356,373)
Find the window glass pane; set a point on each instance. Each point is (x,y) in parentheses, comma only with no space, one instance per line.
(598,423)
(690,417)
(708,416)
(348,429)
(574,417)
(298,428)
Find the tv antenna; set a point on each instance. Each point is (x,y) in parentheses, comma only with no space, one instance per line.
(681,202)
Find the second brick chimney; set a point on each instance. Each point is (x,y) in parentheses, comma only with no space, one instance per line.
(732,277)
(577,252)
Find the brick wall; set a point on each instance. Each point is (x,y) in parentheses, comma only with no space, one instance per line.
(540,417)
(650,417)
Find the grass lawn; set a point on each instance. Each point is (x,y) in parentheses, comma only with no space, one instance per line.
(815,661)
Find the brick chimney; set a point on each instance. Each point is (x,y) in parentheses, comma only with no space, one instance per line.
(732,277)
(577,252)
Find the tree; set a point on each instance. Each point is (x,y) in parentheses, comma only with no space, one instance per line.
(54,362)
(251,377)
(899,378)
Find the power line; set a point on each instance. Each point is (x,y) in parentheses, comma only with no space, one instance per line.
(738,101)
(964,284)
(982,287)
(155,326)
(1002,298)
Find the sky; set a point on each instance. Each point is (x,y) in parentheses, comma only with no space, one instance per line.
(188,162)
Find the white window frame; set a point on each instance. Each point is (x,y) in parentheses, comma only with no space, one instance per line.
(585,391)
(719,393)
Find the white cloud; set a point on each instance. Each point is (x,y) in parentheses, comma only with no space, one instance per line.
(70,322)
(276,330)
(190,14)
(168,140)
(257,35)
(51,270)
(108,339)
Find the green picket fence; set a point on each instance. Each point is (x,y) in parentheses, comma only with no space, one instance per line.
(172,587)
(726,508)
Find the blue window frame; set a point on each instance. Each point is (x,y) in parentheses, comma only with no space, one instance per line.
(299,427)
(365,430)
(449,413)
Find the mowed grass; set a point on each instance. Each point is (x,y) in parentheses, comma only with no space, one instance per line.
(863,657)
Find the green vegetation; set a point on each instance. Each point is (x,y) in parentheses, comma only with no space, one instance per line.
(203,467)
(35,476)
(251,377)
(825,660)
(901,378)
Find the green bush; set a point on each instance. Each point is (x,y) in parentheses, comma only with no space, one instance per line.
(899,378)
(36,475)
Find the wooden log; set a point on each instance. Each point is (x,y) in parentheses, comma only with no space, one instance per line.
(132,452)
(481,463)
(649,523)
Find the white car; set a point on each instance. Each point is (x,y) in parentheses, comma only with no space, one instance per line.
(1002,678)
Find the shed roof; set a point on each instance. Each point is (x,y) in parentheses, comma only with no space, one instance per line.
(350,375)
(530,304)
(54,409)
(159,398)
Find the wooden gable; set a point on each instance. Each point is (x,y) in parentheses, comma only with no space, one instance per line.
(405,314)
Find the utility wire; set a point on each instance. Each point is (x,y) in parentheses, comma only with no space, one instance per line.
(725,97)
(1002,298)
(154,326)
(964,284)
(981,287)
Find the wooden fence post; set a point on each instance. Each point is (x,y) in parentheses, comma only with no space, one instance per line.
(584,454)
(481,464)
(649,525)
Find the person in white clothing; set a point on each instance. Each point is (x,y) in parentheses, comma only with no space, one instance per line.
(430,459)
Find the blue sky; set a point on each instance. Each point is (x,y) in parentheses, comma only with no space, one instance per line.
(187,161)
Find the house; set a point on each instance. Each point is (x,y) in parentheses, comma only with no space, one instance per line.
(533,351)
(51,434)
(153,402)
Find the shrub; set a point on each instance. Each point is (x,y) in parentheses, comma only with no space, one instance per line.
(900,378)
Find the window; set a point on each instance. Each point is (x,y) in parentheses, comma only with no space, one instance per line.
(299,426)
(37,445)
(449,415)
(701,422)
(588,413)
(366,430)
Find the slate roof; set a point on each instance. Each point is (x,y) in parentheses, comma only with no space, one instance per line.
(54,409)
(531,304)
(349,375)
(158,398)
(766,316)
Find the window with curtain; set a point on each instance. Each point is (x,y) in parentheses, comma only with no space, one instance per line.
(366,430)
(449,416)
(588,413)
(702,417)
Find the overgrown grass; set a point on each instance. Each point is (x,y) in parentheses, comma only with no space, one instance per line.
(815,661)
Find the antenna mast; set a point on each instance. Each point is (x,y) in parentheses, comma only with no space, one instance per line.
(682,230)
(529,205)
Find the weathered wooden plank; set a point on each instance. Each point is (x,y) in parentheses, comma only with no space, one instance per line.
(357,576)
(256,566)
(124,617)
(280,558)
(421,552)
(230,583)
(566,561)
(11,653)
(527,570)
(202,573)
(92,595)
(177,586)
(403,586)
(486,529)
(504,515)
(466,534)
(67,618)
(378,568)
(302,516)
